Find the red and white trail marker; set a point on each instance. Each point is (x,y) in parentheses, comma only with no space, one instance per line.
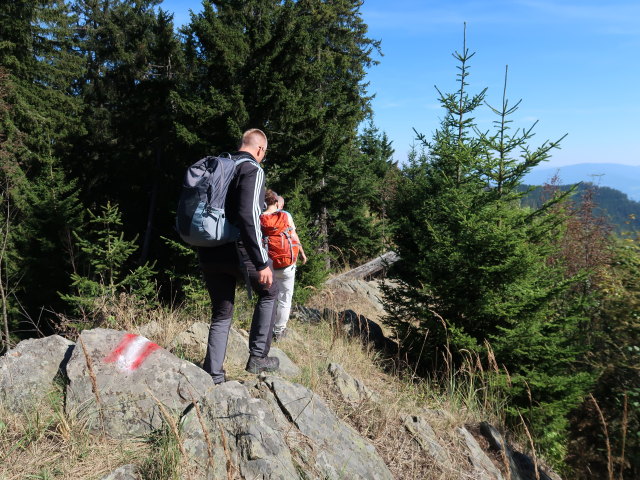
(131,352)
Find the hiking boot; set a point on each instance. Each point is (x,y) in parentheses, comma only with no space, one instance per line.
(262,364)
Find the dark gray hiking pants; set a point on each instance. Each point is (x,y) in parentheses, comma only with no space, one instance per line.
(221,279)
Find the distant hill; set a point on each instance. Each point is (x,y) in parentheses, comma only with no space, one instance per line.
(622,212)
(625,178)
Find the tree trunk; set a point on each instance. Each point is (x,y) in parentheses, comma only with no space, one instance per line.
(146,244)
(3,292)
(369,269)
(324,229)
(5,315)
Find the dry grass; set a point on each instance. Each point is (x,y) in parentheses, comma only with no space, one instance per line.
(127,313)
(43,443)
(380,422)
(46,444)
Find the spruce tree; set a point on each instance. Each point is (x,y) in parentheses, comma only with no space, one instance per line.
(42,61)
(295,69)
(10,143)
(475,270)
(128,153)
(357,192)
(103,272)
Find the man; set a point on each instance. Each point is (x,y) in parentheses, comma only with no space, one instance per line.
(223,266)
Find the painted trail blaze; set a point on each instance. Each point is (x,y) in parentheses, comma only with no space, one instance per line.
(131,352)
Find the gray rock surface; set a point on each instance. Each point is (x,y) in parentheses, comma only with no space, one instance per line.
(367,330)
(287,367)
(27,371)
(425,437)
(521,466)
(238,354)
(150,330)
(340,452)
(125,384)
(193,340)
(268,428)
(126,472)
(367,290)
(351,389)
(306,315)
(482,464)
(241,429)
(237,348)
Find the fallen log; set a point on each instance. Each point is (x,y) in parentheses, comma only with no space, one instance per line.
(367,270)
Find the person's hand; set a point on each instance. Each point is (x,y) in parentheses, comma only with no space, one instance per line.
(265,277)
(304,258)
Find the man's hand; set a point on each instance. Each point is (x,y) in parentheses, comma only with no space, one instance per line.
(265,277)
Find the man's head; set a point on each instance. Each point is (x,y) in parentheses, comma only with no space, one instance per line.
(280,202)
(254,141)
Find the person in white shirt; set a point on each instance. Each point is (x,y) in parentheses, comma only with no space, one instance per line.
(283,277)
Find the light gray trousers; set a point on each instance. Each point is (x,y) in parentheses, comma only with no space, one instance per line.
(285,277)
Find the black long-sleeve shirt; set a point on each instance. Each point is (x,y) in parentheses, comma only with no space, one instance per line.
(243,206)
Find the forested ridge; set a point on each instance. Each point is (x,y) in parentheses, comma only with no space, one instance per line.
(103,104)
(622,212)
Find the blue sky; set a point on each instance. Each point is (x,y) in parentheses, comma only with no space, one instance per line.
(573,63)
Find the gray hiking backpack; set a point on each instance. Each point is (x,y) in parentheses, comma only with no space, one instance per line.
(200,218)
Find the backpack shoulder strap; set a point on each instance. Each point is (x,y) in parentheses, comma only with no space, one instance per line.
(282,215)
(242,158)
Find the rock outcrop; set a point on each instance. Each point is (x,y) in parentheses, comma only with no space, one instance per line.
(482,464)
(126,472)
(521,467)
(351,389)
(340,452)
(28,370)
(124,385)
(424,435)
(193,340)
(230,431)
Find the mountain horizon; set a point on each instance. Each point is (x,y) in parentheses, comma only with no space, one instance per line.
(625,178)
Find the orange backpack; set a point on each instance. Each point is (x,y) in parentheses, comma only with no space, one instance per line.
(276,231)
